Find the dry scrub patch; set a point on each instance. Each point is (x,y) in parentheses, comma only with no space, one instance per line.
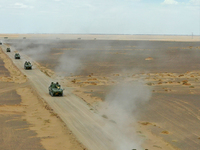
(48,72)
(165,132)
(152,141)
(149,58)
(16,75)
(49,127)
(90,100)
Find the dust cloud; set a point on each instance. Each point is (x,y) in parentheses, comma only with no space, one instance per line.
(68,64)
(71,54)
(121,107)
(121,103)
(37,49)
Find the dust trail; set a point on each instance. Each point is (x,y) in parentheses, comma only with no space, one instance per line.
(121,106)
(72,54)
(36,49)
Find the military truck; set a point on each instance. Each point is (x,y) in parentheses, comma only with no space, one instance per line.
(8,50)
(27,65)
(55,89)
(17,56)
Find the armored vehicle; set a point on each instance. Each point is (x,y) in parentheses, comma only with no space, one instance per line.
(27,65)
(55,89)
(8,50)
(17,56)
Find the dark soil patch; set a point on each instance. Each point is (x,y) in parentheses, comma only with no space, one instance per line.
(10,98)
(15,135)
(3,70)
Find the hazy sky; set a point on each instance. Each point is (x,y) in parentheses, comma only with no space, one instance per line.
(100,16)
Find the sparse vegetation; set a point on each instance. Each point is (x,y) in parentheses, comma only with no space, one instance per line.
(74,81)
(165,132)
(157,146)
(145,123)
(47,121)
(149,83)
(149,58)
(104,116)
(185,82)
(181,75)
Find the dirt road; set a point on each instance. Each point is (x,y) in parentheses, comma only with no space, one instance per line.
(89,127)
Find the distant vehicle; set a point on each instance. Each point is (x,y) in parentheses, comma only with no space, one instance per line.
(55,89)
(0,43)
(17,56)
(27,65)
(24,37)
(5,37)
(8,50)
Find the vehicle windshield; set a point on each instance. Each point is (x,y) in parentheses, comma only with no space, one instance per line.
(57,86)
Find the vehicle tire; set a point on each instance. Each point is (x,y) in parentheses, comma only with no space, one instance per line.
(52,94)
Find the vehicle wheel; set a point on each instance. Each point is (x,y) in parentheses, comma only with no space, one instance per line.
(61,94)
(52,94)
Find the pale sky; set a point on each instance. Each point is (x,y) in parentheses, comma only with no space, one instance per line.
(179,17)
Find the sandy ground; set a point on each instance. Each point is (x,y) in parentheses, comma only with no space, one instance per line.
(26,122)
(170,120)
(173,85)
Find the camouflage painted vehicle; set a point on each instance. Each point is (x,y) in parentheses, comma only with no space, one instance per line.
(8,50)
(27,65)
(17,56)
(55,89)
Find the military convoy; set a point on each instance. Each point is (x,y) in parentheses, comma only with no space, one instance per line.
(27,65)
(55,89)
(8,50)
(17,56)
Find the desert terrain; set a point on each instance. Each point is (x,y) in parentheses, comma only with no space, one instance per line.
(26,121)
(91,68)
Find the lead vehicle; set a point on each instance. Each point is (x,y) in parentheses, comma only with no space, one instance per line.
(55,89)
(27,65)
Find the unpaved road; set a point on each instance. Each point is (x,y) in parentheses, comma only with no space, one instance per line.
(87,126)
